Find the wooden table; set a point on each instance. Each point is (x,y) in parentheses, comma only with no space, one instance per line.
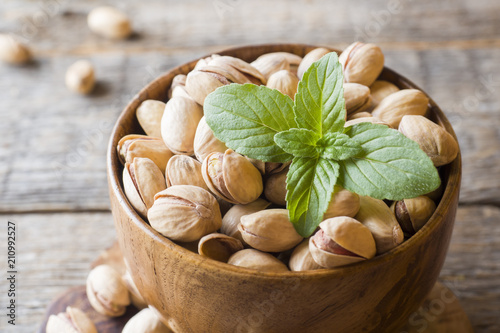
(53,143)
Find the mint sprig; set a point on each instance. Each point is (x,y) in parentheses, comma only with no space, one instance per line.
(365,158)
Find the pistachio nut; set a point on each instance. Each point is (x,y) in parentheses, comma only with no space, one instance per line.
(204,61)
(180,91)
(260,261)
(205,142)
(301,258)
(270,63)
(201,83)
(80,77)
(178,124)
(12,51)
(275,188)
(285,82)
(149,115)
(142,179)
(135,296)
(232,219)
(380,89)
(185,213)
(370,119)
(106,291)
(132,146)
(341,241)
(73,320)
(357,98)
(413,214)
(232,177)
(145,321)
(434,140)
(379,218)
(269,230)
(404,102)
(184,170)
(362,63)
(219,246)
(292,59)
(309,58)
(343,203)
(109,22)
(251,73)
(178,81)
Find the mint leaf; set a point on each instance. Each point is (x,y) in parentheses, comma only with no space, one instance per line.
(338,147)
(299,142)
(391,166)
(246,118)
(309,184)
(319,102)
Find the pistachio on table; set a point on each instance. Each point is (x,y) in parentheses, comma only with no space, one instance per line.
(80,77)
(184,170)
(73,320)
(12,51)
(133,145)
(109,22)
(404,102)
(145,321)
(413,214)
(301,258)
(362,63)
(232,218)
(219,246)
(149,115)
(255,259)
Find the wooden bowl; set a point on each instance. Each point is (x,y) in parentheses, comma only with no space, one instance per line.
(196,294)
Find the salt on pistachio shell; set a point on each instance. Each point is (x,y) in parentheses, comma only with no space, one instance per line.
(133,145)
(135,296)
(343,203)
(232,177)
(201,83)
(80,77)
(260,261)
(399,104)
(184,170)
(106,291)
(251,73)
(301,258)
(380,89)
(142,179)
(185,213)
(270,63)
(219,246)
(232,218)
(179,123)
(145,321)
(310,58)
(205,142)
(413,214)
(73,320)
(285,82)
(12,51)
(341,241)
(371,119)
(378,217)
(434,140)
(362,63)
(269,230)
(149,115)
(275,188)
(109,22)
(178,81)
(357,98)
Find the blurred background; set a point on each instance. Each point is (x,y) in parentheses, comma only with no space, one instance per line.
(53,142)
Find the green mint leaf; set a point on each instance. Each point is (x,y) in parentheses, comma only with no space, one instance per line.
(246,118)
(391,166)
(309,184)
(338,147)
(319,102)
(299,142)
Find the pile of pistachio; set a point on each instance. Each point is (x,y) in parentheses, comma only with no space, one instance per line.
(193,190)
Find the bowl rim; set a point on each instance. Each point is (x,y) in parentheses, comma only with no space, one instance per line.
(452,186)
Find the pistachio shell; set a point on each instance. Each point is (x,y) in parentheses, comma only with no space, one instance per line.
(343,203)
(362,114)
(371,119)
(250,72)
(80,77)
(285,82)
(271,167)
(413,214)
(12,51)
(145,321)
(269,230)
(260,165)
(184,170)
(301,258)
(362,63)
(199,84)
(149,115)
(275,188)
(309,58)
(109,22)
(270,63)
(404,102)
(254,259)
(205,142)
(135,296)
(380,89)
(185,213)
(178,81)
(357,98)
(232,218)
(219,246)
(71,321)
(132,146)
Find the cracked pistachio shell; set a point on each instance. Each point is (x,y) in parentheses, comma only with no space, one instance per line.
(145,321)
(362,63)
(232,177)
(378,217)
(133,145)
(434,140)
(301,258)
(285,82)
(260,261)
(219,246)
(109,22)
(80,77)
(310,58)
(250,73)
(184,170)
(270,63)
(275,188)
(205,142)
(179,123)
(399,104)
(201,83)
(142,179)
(357,98)
(106,291)
(413,214)
(341,241)
(73,320)
(135,296)
(380,89)
(178,81)
(232,218)
(185,213)
(343,203)
(269,230)
(149,115)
